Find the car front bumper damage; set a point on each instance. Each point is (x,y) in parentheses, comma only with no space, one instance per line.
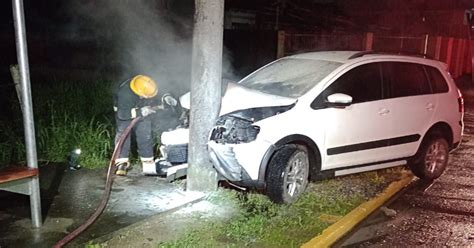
(234,162)
(238,162)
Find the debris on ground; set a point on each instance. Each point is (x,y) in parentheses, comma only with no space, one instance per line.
(388,212)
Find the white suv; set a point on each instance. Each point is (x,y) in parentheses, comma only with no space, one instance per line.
(326,114)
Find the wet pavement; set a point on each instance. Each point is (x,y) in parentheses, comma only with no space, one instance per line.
(70,197)
(437,214)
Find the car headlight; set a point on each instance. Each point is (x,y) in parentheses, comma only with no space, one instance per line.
(234,130)
(238,127)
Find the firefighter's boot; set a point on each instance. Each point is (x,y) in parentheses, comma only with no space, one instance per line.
(123,166)
(149,166)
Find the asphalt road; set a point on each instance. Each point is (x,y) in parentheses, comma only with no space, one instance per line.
(439,214)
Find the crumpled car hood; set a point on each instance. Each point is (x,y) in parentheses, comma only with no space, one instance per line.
(237,97)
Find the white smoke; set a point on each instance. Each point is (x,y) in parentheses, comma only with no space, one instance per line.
(145,37)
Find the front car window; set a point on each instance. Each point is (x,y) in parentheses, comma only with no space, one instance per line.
(363,84)
(289,77)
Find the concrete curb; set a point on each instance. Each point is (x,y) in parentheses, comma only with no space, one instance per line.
(337,230)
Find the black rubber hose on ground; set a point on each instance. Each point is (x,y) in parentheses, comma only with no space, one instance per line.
(108,186)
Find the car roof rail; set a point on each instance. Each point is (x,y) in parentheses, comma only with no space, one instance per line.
(424,55)
(362,53)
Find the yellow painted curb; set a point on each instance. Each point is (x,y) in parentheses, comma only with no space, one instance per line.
(337,230)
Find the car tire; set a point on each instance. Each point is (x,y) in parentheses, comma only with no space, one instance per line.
(287,174)
(432,158)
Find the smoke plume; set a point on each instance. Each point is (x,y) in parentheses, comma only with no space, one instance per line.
(142,37)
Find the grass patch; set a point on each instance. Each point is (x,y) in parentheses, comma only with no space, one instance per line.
(61,135)
(67,115)
(261,223)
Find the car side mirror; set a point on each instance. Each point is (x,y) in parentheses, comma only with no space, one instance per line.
(339,100)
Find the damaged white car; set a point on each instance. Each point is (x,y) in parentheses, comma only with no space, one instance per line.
(324,114)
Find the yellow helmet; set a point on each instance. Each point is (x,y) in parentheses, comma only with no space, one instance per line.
(144,86)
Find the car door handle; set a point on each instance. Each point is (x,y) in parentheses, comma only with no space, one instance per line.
(384,111)
(429,106)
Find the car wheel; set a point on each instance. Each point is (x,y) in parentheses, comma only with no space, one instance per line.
(432,160)
(287,175)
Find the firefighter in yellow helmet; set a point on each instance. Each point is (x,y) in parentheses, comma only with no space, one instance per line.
(134,98)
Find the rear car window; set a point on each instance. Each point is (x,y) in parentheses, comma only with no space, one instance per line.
(405,79)
(438,83)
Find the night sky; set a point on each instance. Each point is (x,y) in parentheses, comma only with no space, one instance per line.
(103,36)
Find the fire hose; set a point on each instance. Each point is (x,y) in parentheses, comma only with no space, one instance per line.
(108,186)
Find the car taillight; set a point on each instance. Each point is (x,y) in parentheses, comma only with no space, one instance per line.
(460,102)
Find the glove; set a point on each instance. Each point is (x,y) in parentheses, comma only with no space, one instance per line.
(146,111)
(170,100)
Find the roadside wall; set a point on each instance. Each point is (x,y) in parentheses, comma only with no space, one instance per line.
(450,50)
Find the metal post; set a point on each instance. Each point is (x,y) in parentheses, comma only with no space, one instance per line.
(205,91)
(28,122)
(281,44)
(425,44)
(369,41)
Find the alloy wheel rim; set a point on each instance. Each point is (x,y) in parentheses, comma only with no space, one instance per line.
(297,174)
(435,156)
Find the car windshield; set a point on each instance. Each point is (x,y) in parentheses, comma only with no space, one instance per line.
(290,77)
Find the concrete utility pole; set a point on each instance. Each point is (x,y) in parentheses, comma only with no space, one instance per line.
(205,91)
